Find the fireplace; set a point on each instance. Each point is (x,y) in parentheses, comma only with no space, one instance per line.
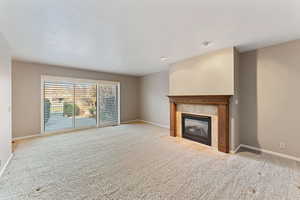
(196,128)
(222,103)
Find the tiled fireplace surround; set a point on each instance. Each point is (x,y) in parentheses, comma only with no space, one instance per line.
(214,106)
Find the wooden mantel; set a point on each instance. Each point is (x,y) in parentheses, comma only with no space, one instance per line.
(221,101)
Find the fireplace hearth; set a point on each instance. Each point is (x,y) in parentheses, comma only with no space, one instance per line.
(196,128)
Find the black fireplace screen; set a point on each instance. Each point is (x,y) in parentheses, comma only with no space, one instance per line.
(197,128)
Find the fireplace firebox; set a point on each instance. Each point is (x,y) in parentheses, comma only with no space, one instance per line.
(196,128)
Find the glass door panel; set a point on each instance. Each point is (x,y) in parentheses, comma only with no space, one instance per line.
(108,104)
(58,106)
(85,105)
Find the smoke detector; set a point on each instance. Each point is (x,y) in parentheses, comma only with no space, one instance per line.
(164,59)
(206,43)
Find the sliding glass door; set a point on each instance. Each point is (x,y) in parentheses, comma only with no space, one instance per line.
(71,104)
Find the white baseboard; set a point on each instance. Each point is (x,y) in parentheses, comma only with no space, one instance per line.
(27,137)
(155,124)
(270,152)
(6,164)
(236,149)
(51,133)
(47,134)
(123,122)
(130,121)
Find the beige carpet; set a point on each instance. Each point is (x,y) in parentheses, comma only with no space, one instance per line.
(140,161)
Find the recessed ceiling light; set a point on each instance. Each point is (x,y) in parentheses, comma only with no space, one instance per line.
(206,43)
(163,59)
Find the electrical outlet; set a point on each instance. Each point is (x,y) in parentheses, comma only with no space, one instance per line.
(282,145)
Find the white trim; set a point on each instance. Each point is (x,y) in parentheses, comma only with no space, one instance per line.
(6,164)
(53,133)
(119,102)
(68,79)
(77,80)
(42,103)
(67,130)
(27,137)
(108,82)
(155,124)
(98,105)
(234,151)
(271,152)
(130,121)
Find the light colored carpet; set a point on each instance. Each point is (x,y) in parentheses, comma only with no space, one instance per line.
(140,161)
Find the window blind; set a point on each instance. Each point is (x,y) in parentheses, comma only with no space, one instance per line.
(108,95)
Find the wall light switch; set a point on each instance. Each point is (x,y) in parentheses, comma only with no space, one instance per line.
(282,145)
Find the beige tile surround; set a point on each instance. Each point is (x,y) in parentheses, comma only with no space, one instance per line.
(207,110)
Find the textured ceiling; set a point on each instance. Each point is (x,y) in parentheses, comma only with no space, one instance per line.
(130,36)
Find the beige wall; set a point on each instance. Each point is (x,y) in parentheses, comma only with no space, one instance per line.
(5,102)
(154,107)
(26,84)
(208,74)
(269,106)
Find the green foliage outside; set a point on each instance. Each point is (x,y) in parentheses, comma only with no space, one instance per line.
(69,109)
(93,112)
(47,106)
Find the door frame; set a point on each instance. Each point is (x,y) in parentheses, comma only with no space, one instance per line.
(78,80)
